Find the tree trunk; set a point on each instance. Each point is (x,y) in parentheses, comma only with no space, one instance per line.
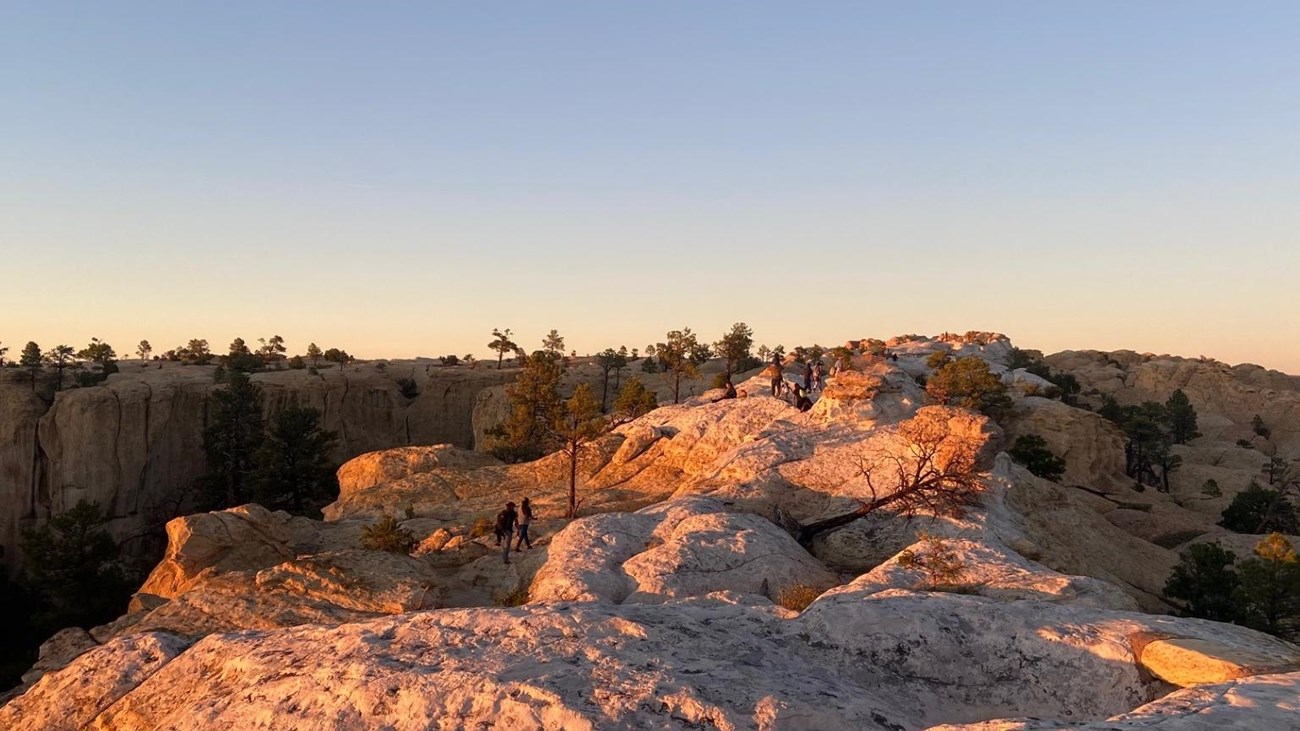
(677,386)
(604,391)
(500,355)
(573,482)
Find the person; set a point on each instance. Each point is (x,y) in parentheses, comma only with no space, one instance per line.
(807,375)
(505,527)
(525,520)
(728,392)
(801,400)
(817,376)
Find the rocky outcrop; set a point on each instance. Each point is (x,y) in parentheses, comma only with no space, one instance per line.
(1092,447)
(134,444)
(891,660)
(682,548)
(1252,704)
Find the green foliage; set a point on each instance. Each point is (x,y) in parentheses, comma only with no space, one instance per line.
(938,561)
(1031,451)
(1205,582)
(408,387)
(1149,429)
(72,566)
(98,352)
(1245,444)
(535,406)
(734,347)
(449,360)
(336,355)
(938,359)
(387,535)
(314,354)
(578,424)
(294,469)
(58,357)
(1210,488)
(297,363)
(502,344)
(143,349)
(1018,358)
(243,362)
(968,383)
(1181,418)
(1257,425)
(648,365)
(1268,596)
(634,400)
(1259,509)
(231,441)
(680,355)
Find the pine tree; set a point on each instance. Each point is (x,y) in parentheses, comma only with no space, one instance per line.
(577,426)
(231,441)
(634,400)
(1181,417)
(535,405)
(32,360)
(734,347)
(609,361)
(1206,582)
(502,344)
(1269,592)
(314,353)
(677,357)
(294,470)
(58,356)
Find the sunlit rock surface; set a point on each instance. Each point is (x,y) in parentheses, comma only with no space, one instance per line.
(661,606)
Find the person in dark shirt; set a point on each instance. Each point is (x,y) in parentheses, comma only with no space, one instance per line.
(506,527)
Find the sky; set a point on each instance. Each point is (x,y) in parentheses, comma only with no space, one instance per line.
(397,179)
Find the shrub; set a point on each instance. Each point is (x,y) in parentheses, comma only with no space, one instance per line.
(1031,451)
(449,360)
(516,597)
(482,527)
(1258,509)
(1205,581)
(797,597)
(1257,425)
(1245,444)
(297,363)
(387,535)
(1211,488)
(408,387)
(410,511)
(938,359)
(940,563)
(968,383)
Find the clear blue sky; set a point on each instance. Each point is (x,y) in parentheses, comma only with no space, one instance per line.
(399,178)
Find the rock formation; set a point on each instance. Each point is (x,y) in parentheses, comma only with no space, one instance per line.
(681,598)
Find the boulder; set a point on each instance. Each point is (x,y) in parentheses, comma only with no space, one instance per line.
(248,537)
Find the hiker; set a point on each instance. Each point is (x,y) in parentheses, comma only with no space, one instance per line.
(730,391)
(801,400)
(818,377)
(807,376)
(525,520)
(505,527)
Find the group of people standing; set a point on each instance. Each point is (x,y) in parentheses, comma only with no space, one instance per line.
(813,380)
(511,523)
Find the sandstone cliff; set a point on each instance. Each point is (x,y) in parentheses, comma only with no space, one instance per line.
(134,444)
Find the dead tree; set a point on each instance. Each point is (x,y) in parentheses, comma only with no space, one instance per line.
(934,470)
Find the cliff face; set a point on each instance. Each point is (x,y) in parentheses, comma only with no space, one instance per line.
(135,444)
